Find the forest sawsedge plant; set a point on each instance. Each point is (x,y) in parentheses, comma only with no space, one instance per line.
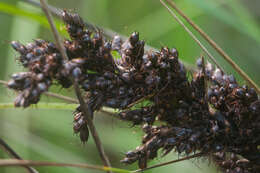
(220,119)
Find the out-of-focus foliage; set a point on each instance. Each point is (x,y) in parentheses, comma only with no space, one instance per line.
(46,134)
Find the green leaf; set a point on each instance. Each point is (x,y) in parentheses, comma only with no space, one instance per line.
(38,17)
(247,22)
(45,146)
(115,54)
(241,21)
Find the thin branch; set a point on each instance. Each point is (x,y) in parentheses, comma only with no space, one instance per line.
(15,162)
(58,96)
(61,97)
(84,107)
(140,100)
(13,154)
(55,11)
(3,82)
(216,47)
(170,162)
(54,30)
(88,115)
(191,34)
(205,81)
(67,99)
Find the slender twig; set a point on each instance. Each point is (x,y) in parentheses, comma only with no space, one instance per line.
(170,162)
(191,34)
(55,11)
(140,100)
(88,114)
(15,162)
(13,154)
(54,30)
(58,96)
(216,47)
(205,80)
(3,82)
(67,99)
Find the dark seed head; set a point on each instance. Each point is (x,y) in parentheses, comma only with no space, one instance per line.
(174,53)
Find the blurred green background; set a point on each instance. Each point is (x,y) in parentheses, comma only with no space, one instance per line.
(46,134)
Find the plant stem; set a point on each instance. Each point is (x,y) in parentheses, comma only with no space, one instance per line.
(13,154)
(15,162)
(61,97)
(54,30)
(216,47)
(88,114)
(170,162)
(67,99)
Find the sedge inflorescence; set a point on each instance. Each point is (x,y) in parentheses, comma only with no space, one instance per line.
(210,113)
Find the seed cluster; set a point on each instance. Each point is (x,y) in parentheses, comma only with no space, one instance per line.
(210,113)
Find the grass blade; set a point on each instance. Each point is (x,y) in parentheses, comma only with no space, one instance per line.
(38,17)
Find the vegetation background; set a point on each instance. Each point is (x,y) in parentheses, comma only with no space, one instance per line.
(46,134)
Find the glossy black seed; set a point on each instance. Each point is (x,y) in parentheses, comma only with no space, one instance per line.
(76,73)
(231,79)
(13,84)
(84,134)
(107,46)
(153,58)
(29,56)
(27,83)
(134,38)
(38,51)
(20,76)
(39,42)
(170,141)
(174,53)
(130,154)
(42,87)
(51,47)
(116,43)
(239,93)
(35,93)
(199,63)
(86,38)
(113,103)
(18,47)
(252,93)
(232,86)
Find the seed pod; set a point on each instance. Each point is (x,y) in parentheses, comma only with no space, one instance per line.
(84,134)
